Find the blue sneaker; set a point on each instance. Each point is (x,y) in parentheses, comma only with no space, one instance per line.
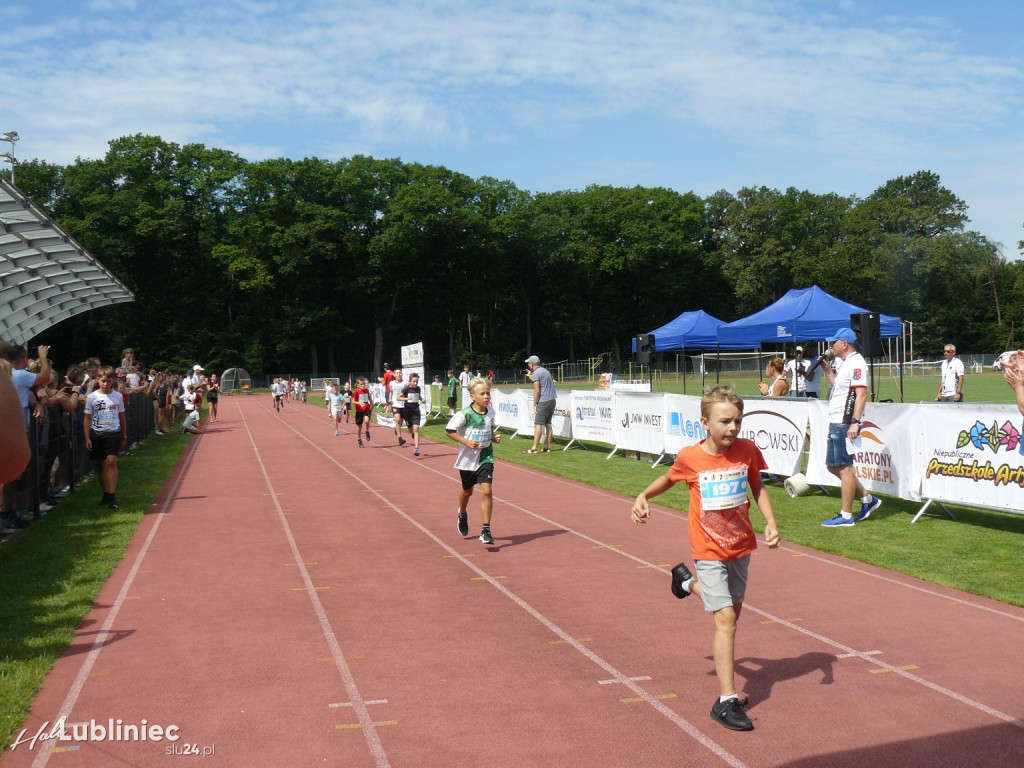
(867,508)
(838,521)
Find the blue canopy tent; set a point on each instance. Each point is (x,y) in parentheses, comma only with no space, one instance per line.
(691,330)
(803,314)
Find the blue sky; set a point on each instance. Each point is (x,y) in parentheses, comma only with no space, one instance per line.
(694,95)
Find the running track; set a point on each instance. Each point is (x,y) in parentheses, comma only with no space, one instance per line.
(293,600)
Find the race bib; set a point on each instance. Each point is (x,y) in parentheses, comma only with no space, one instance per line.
(723,489)
(364,398)
(482,435)
(414,397)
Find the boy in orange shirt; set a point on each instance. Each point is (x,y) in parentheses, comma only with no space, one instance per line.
(719,470)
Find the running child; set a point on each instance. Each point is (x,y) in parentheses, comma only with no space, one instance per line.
(364,408)
(277,389)
(473,429)
(106,433)
(346,400)
(411,396)
(719,470)
(395,388)
(337,402)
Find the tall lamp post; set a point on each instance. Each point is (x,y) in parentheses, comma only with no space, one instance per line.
(12,138)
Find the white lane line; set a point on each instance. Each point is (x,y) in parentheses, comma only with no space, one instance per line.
(355,697)
(43,756)
(844,649)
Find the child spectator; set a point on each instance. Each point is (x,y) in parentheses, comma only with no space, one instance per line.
(106,433)
(191,422)
(718,471)
(453,393)
(473,429)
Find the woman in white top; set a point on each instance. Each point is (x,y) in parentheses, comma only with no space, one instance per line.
(775,372)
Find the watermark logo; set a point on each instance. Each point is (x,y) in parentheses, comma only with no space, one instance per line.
(92,731)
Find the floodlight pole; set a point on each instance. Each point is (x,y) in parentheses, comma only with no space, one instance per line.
(12,138)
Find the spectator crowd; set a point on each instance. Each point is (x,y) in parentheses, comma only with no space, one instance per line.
(47,418)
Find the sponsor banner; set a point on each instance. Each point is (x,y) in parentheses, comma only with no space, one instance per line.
(972,455)
(682,423)
(561,419)
(639,421)
(883,455)
(412,357)
(593,416)
(779,429)
(505,403)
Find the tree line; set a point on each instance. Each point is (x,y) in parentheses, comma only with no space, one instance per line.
(331,266)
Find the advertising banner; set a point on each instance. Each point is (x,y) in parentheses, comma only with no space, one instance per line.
(505,403)
(639,422)
(972,455)
(592,416)
(883,454)
(779,429)
(561,419)
(682,423)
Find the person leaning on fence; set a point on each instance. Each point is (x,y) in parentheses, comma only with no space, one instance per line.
(544,397)
(845,411)
(951,377)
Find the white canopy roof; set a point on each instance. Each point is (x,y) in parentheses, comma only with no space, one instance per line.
(45,276)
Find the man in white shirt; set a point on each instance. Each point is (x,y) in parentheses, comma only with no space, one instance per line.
(845,410)
(951,382)
(797,369)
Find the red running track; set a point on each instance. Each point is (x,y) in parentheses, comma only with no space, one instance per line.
(295,600)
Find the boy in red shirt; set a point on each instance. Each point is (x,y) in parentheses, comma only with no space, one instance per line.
(719,470)
(364,408)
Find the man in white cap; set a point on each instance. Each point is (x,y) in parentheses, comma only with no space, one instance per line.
(845,410)
(544,396)
(194,378)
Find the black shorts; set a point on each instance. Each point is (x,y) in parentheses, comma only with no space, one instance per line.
(411,415)
(479,476)
(104,444)
(362,416)
(453,401)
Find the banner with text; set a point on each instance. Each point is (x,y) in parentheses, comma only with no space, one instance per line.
(639,422)
(592,416)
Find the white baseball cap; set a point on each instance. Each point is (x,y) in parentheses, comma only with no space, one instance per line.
(533,360)
(197,367)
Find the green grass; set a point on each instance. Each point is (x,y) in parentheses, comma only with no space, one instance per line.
(51,572)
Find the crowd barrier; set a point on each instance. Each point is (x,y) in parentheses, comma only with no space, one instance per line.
(972,455)
(59,462)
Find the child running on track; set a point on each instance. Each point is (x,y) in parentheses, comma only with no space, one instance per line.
(364,408)
(395,388)
(337,401)
(473,429)
(718,471)
(410,397)
(346,400)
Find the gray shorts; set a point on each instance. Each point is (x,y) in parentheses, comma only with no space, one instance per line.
(545,410)
(722,582)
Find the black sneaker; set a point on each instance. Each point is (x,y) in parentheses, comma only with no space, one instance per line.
(360,440)
(106,498)
(401,441)
(463,524)
(14,523)
(367,435)
(680,574)
(485,536)
(112,502)
(730,714)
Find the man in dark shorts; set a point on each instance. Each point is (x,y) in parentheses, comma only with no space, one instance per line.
(544,396)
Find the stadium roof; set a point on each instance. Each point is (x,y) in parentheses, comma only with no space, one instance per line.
(45,276)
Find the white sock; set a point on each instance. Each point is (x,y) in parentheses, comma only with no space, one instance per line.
(687,585)
(846,515)
(866,499)
(724,699)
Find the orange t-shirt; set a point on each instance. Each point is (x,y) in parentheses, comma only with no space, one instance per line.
(720,526)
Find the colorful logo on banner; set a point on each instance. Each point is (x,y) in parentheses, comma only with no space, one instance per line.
(994,438)
(680,426)
(584,412)
(873,465)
